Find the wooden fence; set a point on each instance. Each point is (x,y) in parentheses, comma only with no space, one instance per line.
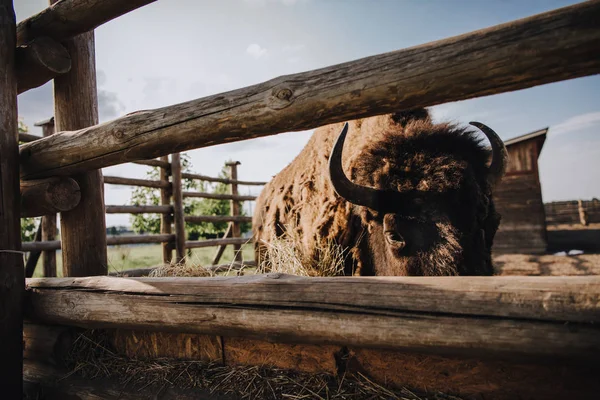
(582,212)
(550,318)
(171,195)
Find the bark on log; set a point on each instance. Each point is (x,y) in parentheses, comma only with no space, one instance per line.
(549,47)
(222,180)
(117,180)
(178,215)
(49,196)
(198,219)
(219,196)
(195,244)
(40,61)
(83,229)
(12,272)
(167,209)
(483,316)
(68,18)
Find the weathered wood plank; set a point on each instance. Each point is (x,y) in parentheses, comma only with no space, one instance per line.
(110,241)
(236,230)
(49,196)
(221,248)
(488,316)
(11,260)
(49,228)
(161,209)
(218,196)
(178,212)
(26,137)
(222,180)
(34,256)
(553,46)
(40,61)
(68,18)
(154,163)
(166,220)
(117,180)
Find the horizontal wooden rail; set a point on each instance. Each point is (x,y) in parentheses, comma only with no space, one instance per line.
(26,137)
(49,196)
(496,316)
(111,241)
(139,209)
(549,47)
(117,180)
(140,272)
(198,219)
(222,180)
(68,18)
(153,163)
(219,196)
(195,244)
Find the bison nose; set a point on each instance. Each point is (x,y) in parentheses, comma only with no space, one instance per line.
(395,239)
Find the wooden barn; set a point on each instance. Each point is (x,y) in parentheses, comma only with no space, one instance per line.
(519,198)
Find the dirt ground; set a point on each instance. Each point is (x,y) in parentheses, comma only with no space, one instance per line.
(546,265)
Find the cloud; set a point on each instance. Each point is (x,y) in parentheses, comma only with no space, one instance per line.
(256,51)
(576,123)
(109,105)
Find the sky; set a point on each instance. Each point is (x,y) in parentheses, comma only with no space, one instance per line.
(173,51)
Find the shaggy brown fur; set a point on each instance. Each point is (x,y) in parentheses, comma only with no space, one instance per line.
(452,231)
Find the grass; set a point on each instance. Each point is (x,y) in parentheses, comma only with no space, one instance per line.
(126,257)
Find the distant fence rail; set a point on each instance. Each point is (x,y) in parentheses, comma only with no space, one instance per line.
(582,212)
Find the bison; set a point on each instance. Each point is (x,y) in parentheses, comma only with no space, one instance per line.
(404,196)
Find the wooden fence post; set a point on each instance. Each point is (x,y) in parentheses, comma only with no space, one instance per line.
(583,215)
(166,220)
(48,223)
(12,280)
(178,208)
(236,231)
(83,229)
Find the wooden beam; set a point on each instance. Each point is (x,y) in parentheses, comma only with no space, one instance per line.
(221,248)
(195,244)
(48,224)
(178,212)
(166,220)
(167,209)
(563,43)
(69,18)
(49,196)
(110,241)
(198,219)
(12,280)
(486,316)
(117,180)
(219,196)
(236,229)
(222,180)
(40,61)
(26,137)
(34,256)
(154,163)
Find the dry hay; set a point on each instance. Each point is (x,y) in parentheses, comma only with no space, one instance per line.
(92,356)
(181,270)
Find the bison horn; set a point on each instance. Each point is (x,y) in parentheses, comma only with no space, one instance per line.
(499,162)
(344,187)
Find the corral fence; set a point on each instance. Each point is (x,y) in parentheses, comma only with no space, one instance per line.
(546,328)
(582,212)
(170,209)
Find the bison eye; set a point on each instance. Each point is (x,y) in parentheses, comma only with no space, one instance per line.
(395,239)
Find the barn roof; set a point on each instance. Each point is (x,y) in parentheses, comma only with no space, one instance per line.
(527,136)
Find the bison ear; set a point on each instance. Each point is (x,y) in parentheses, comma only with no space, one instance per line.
(403,117)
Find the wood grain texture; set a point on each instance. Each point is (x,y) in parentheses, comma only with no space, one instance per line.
(549,47)
(117,180)
(48,224)
(154,163)
(11,260)
(236,231)
(49,196)
(497,317)
(83,229)
(222,180)
(68,18)
(26,137)
(40,61)
(166,220)
(178,212)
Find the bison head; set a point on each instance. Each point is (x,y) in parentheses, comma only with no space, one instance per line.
(424,198)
